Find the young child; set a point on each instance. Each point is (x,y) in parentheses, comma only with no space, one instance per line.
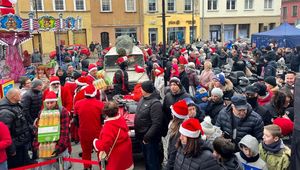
(272,150)
(201,97)
(248,155)
(224,152)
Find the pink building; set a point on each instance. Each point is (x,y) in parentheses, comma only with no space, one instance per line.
(290,11)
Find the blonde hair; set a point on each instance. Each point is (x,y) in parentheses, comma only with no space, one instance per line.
(274,130)
(207,65)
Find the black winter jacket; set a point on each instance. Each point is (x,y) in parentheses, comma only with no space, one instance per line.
(32,102)
(270,69)
(184,81)
(172,151)
(119,77)
(264,113)
(213,109)
(204,161)
(233,164)
(169,100)
(252,124)
(11,114)
(149,118)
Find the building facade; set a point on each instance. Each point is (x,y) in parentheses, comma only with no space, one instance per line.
(179,17)
(290,12)
(112,18)
(225,20)
(47,41)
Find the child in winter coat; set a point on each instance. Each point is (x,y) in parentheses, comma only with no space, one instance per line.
(272,150)
(249,155)
(5,142)
(201,97)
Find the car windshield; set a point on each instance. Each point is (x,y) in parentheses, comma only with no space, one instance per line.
(110,61)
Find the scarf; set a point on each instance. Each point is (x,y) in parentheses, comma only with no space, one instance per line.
(274,147)
(251,159)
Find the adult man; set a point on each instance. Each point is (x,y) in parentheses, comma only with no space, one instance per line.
(11,114)
(215,105)
(92,76)
(64,95)
(289,86)
(71,73)
(252,96)
(120,79)
(36,57)
(32,101)
(148,123)
(238,120)
(175,94)
(89,121)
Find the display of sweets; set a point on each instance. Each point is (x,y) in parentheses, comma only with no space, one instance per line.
(99,84)
(46,149)
(49,118)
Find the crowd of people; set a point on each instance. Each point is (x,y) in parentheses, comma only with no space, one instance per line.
(205,106)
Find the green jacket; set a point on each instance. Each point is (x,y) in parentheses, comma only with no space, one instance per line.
(276,161)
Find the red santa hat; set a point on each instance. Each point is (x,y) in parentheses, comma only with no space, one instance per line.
(6,7)
(180,109)
(183,51)
(50,97)
(120,60)
(139,69)
(90,91)
(285,124)
(158,71)
(191,128)
(54,80)
(92,67)
(81,81)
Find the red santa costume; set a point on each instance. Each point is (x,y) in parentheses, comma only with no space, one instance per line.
(89,121)
(183,59)
(90,78)
(115,129)
(64,95)
(81,83)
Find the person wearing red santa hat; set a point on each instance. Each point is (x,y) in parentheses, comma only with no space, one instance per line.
(192,151)
(63,94)
(61,147)
(89,121)
(180,113)
(114,143)
(81,84)
(120,80)
(92,75)
(183,59)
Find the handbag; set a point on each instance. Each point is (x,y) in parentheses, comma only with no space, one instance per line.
(104,161)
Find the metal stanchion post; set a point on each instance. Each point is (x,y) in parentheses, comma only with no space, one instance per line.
(60,163)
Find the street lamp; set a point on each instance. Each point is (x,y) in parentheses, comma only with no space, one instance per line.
(193,16)
(164,28)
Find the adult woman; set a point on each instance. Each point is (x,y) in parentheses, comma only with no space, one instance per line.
(207,74)
(114,140)
(192,152)
(277,104)
(26,59)
(25,85)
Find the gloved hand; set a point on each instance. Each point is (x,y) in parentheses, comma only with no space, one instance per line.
(55,153)
(102,155)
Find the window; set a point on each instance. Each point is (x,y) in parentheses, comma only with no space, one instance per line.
(171,5)
(106,6)
(131,32)
(79,5)
(230,5)
(59,5)
(295,11)
(38,6)
(244,30)
(248,4)
(130,5)
(188,5)
(284,12)
(212,5)
(268,4)
(152,5)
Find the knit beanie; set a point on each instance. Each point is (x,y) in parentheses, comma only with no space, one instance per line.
(148,87)
(176,81)
(35,83)
(201,92)
(217,92)
(207,126)
(271,80)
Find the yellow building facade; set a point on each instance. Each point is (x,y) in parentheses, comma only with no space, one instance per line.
(47,41)
(178,21)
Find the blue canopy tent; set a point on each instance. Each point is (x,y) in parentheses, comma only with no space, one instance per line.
(285,35)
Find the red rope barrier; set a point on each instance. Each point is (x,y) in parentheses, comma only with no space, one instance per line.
(36,165)
(81,161)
